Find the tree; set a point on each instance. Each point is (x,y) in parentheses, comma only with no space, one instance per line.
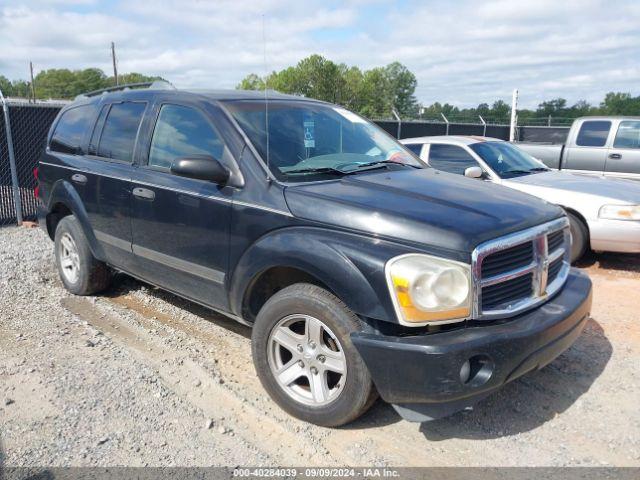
(375,94)
(5,86)
(132,78)
(372,93)
(500,109)
(402,84)
(556,107)
(251,82)
(66,84)
(620,104)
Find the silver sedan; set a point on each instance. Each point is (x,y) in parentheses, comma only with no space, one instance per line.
(604,212)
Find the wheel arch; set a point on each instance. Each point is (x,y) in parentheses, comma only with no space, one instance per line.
(582,218)
(63,201)
(310,255)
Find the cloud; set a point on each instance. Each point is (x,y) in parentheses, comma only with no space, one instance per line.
(461,52)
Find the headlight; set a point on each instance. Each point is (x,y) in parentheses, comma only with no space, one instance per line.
(428,289)
(620,212)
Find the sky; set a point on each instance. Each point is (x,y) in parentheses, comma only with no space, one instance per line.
(462,52)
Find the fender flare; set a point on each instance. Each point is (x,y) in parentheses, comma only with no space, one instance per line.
(337,259)
(63,192)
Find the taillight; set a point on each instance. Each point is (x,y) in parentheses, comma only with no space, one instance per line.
(36,191)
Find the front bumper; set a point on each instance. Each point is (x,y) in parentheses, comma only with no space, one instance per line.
(621,236)
(427,377)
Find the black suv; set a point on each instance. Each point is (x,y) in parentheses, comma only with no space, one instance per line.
(361,270)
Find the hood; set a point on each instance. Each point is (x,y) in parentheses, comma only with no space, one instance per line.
(613,189)
(425,206)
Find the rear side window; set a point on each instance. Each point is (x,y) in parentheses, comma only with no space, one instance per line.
(593,133)
(182,132)
(628,135)
(450,158)
(69,132)
(415,148)
(120,131)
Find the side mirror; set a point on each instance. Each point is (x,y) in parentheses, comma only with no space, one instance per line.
(473,172)
(201,167)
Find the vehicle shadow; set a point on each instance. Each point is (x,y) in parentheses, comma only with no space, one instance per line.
(533,399)
(520,406)
(627,262)
(124,284)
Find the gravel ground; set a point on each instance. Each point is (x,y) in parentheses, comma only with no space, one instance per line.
(138,377)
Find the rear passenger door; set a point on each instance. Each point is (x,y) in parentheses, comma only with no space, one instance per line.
(181,225)
(590,151)
(623,159)
(110,156)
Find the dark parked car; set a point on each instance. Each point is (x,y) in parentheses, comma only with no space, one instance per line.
(361,270)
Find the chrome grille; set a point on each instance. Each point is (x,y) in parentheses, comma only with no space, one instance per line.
(519,287)
(509,259)
(521,270)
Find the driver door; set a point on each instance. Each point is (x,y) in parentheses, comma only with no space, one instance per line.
(180,226)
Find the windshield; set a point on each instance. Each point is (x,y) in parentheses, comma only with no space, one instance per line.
(506,160)
(312,141)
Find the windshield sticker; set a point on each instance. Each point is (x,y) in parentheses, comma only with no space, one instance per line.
(309,137)
(352,117)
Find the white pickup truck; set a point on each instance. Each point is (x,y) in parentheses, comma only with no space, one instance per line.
(608,146)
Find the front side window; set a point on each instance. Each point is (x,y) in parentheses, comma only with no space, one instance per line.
(182,132)
(415,148)
(120,131)
(69,132)
(312,141)
(450,158)
(593,133)
(507,160)
(628,135)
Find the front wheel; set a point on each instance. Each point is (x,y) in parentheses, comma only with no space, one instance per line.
(305,359)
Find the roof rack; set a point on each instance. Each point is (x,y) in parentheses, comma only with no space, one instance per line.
(156,85)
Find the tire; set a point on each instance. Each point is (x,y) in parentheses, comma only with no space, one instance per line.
(297,308)
(79,271)
(579,237)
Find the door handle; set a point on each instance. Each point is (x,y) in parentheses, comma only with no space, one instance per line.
(615,156)
(144,193)
(78,178)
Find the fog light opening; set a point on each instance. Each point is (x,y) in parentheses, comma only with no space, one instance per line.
(476,371)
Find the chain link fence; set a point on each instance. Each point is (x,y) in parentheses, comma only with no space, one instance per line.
(22,140)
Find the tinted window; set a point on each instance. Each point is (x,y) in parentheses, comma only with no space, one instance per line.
(415,148)
(593,134)
(628,135)
(69,132)
(182,132)
(313,141)
(507,160)
(450,158)
(120,131)
(97,129)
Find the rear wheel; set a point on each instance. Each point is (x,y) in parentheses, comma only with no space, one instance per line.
(305,359)
(579,237)
(79,271)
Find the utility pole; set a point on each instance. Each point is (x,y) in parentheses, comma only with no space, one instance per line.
(514,116)
(113,59)
(33,85)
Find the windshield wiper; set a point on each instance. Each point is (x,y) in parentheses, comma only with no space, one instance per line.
(379,164)
(539,169)
(331,170)
(516,172)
